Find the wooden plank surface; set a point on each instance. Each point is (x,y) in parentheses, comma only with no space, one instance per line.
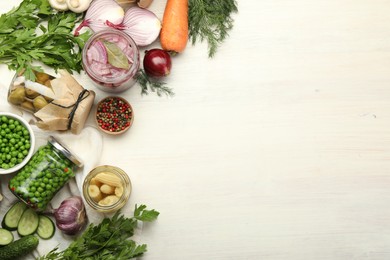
(279,147)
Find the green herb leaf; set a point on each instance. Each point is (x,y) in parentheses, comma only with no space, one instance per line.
(115,56)
(56,46)
(157,86)
(140,213)
(108,240)
(210,21)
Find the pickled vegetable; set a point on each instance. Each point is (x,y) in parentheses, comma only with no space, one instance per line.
(39,102)
(31,96)
(43,176)
(17,95)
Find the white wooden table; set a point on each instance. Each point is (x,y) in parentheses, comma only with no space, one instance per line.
(278,148)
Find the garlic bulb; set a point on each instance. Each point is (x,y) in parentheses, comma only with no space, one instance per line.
(70,216)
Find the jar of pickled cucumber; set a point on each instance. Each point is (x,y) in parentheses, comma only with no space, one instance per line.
(48,170)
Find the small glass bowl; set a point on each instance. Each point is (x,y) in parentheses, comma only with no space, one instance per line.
(111,113)
(116,80)
(32,143)
(125,181)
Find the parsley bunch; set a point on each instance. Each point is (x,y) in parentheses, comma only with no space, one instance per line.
(35,32)
(210,21)
(107,241)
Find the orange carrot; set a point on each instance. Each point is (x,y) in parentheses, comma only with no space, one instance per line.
(174,31)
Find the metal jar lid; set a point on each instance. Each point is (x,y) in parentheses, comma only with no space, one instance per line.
(65,151)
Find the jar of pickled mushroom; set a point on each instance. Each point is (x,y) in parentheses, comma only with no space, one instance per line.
(48,170)
(111,59)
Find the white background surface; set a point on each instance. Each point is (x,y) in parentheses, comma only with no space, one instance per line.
(278,148)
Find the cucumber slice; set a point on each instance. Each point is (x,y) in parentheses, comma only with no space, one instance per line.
(28,223)
(46,227)
(6,237)
(13,215)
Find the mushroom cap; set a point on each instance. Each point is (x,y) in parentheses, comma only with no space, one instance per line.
(78,6)
(59,5)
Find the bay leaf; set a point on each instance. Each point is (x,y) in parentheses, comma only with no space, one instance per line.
(115,56)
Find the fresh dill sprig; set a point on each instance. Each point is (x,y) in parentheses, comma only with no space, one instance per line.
(157,86)
(210,21)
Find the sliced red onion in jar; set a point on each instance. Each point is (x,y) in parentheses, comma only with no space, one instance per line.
(97,57)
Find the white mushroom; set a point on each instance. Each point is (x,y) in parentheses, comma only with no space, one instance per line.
(78,6)
(59,5)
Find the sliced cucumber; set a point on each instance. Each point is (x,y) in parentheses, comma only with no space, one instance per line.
(28,223)
(13,215)
(46,227)
(6,237)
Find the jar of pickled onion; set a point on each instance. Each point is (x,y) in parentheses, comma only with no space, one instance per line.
(111,59)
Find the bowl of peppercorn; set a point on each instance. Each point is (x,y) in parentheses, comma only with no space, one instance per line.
(114,115)
(17,141)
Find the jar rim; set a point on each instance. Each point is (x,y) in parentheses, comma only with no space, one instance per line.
(65,151)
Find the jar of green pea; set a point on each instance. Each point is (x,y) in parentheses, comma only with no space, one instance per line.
(49,169)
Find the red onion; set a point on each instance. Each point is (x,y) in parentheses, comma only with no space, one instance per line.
(142,25)
(97,52)
(157,63)
(102,14)
(70,216)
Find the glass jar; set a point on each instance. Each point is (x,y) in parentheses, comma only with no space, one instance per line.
(48,170)
(31,95)
(107,188)
(111,59)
